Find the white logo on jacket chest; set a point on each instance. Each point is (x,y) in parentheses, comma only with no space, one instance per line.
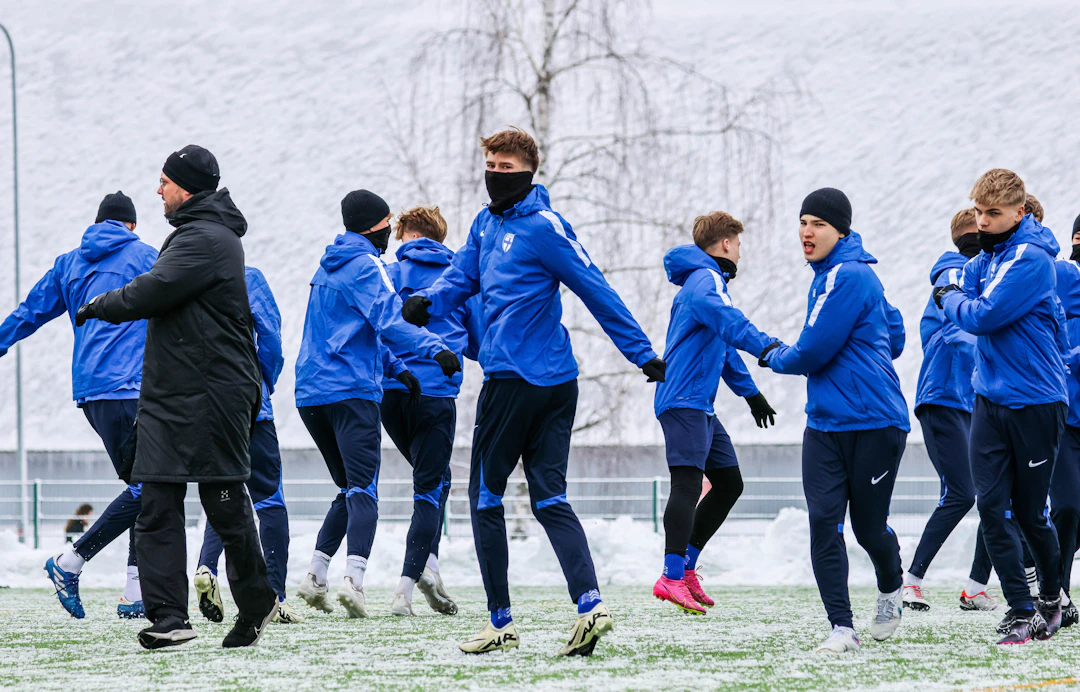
(508,240)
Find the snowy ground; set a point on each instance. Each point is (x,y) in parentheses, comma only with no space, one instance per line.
(756,639)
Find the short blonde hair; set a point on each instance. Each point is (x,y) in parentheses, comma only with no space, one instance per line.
(710,229)
(999,186)
(515,142)
(427,221)
(1033,207)
(963,220)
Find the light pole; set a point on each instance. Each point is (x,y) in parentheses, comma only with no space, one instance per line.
(20,452)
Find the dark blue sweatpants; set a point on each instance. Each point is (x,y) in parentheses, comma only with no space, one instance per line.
(114,422)
(265,489)
(517,420)
(945,431)
(1012,460)
(424,434)
(1065,501)
(348,436)
(852,470)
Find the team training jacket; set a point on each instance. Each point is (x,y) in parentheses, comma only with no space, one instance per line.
(1068,291)
(948,351)
(267,336)
(107,358)
(1009,302)
(420,263)
(704,331)
(846,349)
(517,261)
(352,303)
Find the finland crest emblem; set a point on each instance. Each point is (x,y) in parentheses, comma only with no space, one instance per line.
(508,240)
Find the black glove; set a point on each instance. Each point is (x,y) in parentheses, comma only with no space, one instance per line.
(942,291)
(764,415)
(86,312)
(761,359)
(655,370)
(412,384)
(414,311)
(446,359)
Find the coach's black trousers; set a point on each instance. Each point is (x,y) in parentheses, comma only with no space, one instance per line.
(161,547)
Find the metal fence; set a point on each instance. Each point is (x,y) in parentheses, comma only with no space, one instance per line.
(53,502)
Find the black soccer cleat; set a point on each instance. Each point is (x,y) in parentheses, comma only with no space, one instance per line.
(1050,610)
(1023,626)
(1069,615)
(246,632)
(169,631)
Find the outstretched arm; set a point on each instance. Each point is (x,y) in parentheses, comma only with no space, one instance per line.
(45,302)
(827,328)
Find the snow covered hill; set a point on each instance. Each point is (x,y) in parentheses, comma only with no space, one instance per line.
(909,101)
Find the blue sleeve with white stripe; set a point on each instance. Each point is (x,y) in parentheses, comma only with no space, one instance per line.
(460,281)
(375,298)
(831,319)
(712,307)
(736,376)
(951,334)
(1021,282)
(562,255)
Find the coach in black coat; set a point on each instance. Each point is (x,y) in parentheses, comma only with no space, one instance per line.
(199,400)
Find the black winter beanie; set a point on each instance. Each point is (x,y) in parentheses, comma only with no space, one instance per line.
(116,207)
(830,205)
(1076,225)
(193,168)
(362,209)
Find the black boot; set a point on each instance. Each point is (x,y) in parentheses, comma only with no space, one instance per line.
(1069,615)
(1023,625)
(1050,610)
(168,631)
(246,632)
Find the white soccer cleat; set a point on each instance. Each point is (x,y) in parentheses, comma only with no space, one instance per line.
(980,601)
(914,599)
(315,594)
(286,615)
(887,618)
(401,606)
(492,639)
(587,630)
(352,599)
(840,640)
(431,585)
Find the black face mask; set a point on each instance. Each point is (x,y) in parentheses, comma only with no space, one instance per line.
(1075,256)
(968,245)
(507,189)
(988,242)
(380,238)
(727,267)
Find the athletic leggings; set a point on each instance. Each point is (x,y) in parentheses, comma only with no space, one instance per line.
(687,521)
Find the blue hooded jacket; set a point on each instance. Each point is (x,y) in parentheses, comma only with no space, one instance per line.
(353,305)
(948,351)
(517,261)
(1009,302)
(704,331)
(107,360)
(846,349)
(420,263)
(267,336)
(1068,290)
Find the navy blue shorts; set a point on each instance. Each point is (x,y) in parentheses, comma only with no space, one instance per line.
(696,438)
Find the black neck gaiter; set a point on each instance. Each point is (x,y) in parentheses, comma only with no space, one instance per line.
(727,267)
(1075,256)
(989,241)
(968,245)
(507,189)
(380,238)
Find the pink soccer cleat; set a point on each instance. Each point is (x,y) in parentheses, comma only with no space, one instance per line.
(676,592)
(693,585)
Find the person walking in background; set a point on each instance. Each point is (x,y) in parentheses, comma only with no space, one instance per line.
(76,526)
(199,400)
(106,373)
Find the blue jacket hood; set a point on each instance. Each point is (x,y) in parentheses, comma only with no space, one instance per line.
(847,249)
(105,238)
(949,260)
(347,247)
(425,250)
(682,261)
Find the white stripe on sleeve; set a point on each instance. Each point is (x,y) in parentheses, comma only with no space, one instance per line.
(382,270)
(1004,269)
(720,288)
(830,281)
(557,224)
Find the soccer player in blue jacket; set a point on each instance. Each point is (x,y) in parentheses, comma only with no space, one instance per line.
(352,308)
(264,486)
(943,402)
(517,255)
(704,331)
(1008,300)
(106,372)
(856,416)
(422,427)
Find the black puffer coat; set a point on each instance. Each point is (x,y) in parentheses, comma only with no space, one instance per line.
(200,386)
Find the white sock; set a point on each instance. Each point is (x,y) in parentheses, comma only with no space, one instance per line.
(892,594)
(433,562)
(1032,575)
(405,586)
(911,580)
(320,563)
(973,587)
(70,561)
(355,567)
(1064,599)
(132,588)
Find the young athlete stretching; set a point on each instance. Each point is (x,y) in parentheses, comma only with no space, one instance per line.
(1008,300)
(856,417)
(517,255)
(704,331)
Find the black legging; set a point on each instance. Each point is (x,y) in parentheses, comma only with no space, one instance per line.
(684,524)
